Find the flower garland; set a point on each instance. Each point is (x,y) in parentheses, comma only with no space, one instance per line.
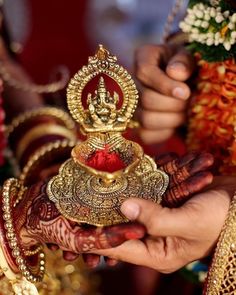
(211,27)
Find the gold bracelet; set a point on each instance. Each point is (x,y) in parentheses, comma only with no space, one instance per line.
(40,155)
(38,249)
(11,186)
(45,111)
(11,81)
(222,274)
(39,131)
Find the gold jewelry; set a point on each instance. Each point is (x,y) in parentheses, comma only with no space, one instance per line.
(84,192)
(38,249)
(50,151)
(44,111)
(103,116)
(11,186)
(83,197)
(39,131)
(31,87)
(20,195)
(44,154)
(221,277)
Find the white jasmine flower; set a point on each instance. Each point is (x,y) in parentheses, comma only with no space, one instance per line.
(233,34)
(199,14)
(213,12)
(227,45)
(205,24)
(210,42)
(214,2)
(233,18)
(207,16)
(226,13)
(231,26)
(198,23)
(219,18)
(195,31)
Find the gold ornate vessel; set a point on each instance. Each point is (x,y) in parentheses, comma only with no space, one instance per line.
(106,168)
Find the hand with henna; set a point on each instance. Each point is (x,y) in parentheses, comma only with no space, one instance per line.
(187,175)
(39,220)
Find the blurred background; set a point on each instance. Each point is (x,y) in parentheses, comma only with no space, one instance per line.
(47,34)
(50,33)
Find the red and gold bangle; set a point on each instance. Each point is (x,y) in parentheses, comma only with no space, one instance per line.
(46,113)
(43,131)
(32,273)
(48,155)
(34,129)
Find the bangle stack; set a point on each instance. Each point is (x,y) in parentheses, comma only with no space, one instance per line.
(32,130)
(32,273)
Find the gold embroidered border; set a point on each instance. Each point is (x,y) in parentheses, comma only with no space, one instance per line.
(222,275)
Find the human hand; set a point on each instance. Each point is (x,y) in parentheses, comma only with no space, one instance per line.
(187,175)
(163,71)
(40,221)
(177,236)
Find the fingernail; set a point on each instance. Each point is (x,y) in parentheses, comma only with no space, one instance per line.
(179,92)
(177,65)
(130,209)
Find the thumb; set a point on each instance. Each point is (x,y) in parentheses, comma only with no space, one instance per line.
(181,66)
(158,220)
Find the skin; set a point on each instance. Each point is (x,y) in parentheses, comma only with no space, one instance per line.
(57,231)
(163,71)
(176,236)
(38,219)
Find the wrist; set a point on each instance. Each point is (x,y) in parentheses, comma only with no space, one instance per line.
(13,250)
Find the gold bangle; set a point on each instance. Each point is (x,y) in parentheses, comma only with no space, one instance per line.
(38,249)
(45,111)
(39,131)
(10,186)
(37,158)
(221,277)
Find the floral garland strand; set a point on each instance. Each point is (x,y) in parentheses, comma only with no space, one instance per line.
(211,27)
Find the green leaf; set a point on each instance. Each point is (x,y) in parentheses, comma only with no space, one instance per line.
(194,2)
(213,53)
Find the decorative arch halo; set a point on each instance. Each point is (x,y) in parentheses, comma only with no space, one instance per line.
(102,63)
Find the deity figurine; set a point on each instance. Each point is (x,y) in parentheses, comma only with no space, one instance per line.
(106,168)
(102,106)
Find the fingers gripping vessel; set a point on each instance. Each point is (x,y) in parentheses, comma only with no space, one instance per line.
(106,168)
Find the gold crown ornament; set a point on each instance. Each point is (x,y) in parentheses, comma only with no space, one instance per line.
(105,169)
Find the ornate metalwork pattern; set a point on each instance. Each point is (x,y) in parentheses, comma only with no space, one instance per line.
(102,63)
(221,277)
(106,168)
(83,197)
